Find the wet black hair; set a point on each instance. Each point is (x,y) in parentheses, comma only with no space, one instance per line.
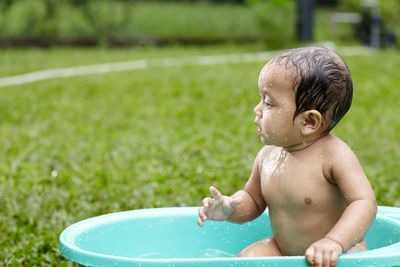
(323,81)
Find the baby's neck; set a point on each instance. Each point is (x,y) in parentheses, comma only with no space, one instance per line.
(303,145)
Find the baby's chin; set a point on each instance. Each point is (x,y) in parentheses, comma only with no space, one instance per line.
(266,141)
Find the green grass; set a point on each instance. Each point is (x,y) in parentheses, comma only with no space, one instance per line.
(204,22)
(21,60)
(126,20)
(84,146)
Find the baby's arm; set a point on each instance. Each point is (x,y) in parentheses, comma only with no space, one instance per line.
(243,206)
(253,203)
(354,223)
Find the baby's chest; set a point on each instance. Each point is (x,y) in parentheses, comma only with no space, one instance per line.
(296,185)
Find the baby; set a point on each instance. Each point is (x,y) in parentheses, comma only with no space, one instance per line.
(319,200)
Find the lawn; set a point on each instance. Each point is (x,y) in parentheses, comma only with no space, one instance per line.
(84,146)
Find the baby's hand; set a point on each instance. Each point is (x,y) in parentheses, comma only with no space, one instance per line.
(324,252)
(217,208)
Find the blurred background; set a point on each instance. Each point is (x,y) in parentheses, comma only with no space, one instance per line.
(175,116)
(276,23)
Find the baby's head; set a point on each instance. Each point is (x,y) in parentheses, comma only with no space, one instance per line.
(313,82)
(321,81)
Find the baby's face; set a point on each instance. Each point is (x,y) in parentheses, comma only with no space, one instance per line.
(274,113)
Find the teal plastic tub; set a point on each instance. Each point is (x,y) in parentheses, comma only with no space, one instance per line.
(171,237)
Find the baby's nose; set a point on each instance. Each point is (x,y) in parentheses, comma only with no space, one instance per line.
(257,111)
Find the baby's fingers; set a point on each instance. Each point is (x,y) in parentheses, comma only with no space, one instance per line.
(318,259)
(203,214)
(200,222)
(334,258)
(206,202)
(215,193)
(310,256)
(202,217)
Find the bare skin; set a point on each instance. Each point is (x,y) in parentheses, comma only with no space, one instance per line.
(319,199)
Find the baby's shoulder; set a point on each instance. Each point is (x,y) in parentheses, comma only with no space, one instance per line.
(267,150)
(333,152)
(333,147)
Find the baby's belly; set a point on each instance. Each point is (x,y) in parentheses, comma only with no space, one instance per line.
(294,232)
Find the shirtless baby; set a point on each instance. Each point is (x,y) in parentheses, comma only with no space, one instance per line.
(319,200)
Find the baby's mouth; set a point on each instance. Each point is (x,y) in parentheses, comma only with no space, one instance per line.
(259,130)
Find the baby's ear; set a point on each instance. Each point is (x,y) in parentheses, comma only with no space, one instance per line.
(311,122)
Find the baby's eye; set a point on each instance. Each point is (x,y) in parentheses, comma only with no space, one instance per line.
(267,104)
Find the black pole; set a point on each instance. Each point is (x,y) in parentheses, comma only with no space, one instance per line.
(305,14)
